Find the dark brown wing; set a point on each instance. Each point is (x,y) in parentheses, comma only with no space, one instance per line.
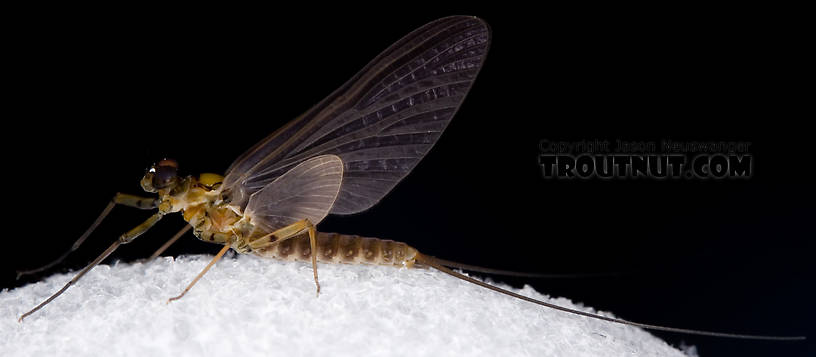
(381,122)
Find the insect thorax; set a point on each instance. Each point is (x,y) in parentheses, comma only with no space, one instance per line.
(196,198)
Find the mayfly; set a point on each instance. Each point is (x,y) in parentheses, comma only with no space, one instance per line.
(340,157)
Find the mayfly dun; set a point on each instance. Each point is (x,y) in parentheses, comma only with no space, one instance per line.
(340,157)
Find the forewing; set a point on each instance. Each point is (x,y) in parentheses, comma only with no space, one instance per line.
(382,121)
(307,191)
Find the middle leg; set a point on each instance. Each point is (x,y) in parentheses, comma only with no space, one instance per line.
(288,232)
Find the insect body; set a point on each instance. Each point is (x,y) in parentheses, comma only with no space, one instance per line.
(214,220)
(340,157)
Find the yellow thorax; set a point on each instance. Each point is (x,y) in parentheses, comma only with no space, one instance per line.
(210,180)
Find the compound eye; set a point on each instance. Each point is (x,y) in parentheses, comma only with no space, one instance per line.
(168,163)
(165,173)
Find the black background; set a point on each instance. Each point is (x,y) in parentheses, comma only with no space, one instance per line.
(99,94)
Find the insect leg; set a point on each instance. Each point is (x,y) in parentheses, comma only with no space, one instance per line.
(118,199)
(291,231)
(280,235)
(170,242)
(125,238)
(313,242)
(201,274)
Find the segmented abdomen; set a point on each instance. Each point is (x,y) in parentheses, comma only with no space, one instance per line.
(341,248)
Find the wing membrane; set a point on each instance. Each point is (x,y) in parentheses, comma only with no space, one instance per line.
(381,122)
(307,191)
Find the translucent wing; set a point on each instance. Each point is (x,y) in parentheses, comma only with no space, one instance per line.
(307,191)
(381,122)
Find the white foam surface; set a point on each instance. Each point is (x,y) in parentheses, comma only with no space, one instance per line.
(248,306)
